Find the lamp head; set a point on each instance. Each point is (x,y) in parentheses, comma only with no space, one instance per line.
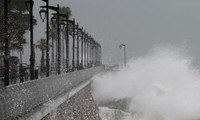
(43,14)
(63,25)
(53,19)
(29,5)
(121,45)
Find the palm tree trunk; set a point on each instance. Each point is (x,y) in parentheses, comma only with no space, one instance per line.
(42,66)
(52,56)
(63,54)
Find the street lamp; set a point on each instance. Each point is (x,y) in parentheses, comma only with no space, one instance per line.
(82,42)
(67,43)
(100,55)
(44,14)
(62,27)
(56,9)
(73,47)
(67,22)
(85,45)
(65,25)
(86,49)
(79,34)
(77,44)
(120,46)
(29,5)
(95,53)
(89,51)
(6,49)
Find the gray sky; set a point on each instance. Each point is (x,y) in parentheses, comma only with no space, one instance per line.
(141,24)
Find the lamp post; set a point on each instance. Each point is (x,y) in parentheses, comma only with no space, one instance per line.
(95,53)
(65,23)
(6,47)
(91,51)
(79,34)
(77,44)
(73,47)
(54,24)
(100,55)
(72,22)
(85,45)
(46,16)
(67,44)
(87,50)
(56,9)
(82,42)
(120,46)
(29,5)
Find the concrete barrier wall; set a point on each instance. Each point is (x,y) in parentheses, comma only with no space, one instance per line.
(19,99)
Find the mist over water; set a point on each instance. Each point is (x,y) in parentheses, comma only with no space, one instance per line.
(161,85)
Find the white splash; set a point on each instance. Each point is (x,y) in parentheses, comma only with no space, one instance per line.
(113,114)
(162,86)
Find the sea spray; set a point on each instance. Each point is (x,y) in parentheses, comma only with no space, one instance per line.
(162,86)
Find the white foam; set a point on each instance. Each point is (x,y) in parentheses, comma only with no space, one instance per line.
(162,86)
(113,114)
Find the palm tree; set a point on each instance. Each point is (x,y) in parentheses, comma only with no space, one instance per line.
(16,34)
(41,45)
(18,23)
